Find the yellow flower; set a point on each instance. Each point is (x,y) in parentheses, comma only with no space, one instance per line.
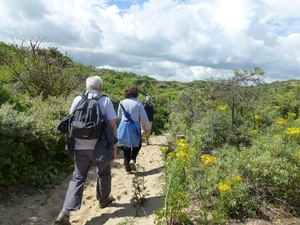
(223,107)
(164,149)
(291,114)
(237,178)
(257,117)
(292,130)
(254,131)
(180,142)
(181,156)
(171,155)
(299,153)
(281,121)
(224,187)
(183,151)
(207,159)
(276,107)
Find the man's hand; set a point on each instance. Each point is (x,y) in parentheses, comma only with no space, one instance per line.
(114,154)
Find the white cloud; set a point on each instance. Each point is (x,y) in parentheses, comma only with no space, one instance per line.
(165,39)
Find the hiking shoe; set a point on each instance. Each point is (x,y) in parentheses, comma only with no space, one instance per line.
(127,168)
(132,165)
(103,204)
(62,219)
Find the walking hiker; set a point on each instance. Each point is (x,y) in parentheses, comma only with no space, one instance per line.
(83,158)
(148,106)
(129,133)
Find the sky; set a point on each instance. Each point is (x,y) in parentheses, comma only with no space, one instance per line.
(168,40)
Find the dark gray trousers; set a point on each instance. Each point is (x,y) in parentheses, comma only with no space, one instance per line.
(83,160)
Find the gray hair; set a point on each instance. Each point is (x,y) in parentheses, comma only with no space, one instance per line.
(93,83)
(148,98)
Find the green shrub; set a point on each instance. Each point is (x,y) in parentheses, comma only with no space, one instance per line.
(241,167)
(32,152)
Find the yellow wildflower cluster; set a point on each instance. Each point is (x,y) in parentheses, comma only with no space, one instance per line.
(291,114)
(224,187)
(223,107)
(276,107)
(183,151)
(164,149)
(281,121)
(299,153)
(254,131)
(207,159)
(292,130)
(237,178)
(257,117)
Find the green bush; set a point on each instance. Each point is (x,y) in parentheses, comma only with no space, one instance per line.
(241,168)
(31,150)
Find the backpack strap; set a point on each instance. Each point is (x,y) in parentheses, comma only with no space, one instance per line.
(126,114)
(99,96)
(131,122)
(85,94)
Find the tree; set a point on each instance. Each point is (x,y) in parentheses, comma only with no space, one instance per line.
(237,90)
(37,71)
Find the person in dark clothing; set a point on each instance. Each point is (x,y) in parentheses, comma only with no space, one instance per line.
(150,111)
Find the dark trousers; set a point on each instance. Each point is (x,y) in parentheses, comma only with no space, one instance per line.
(130,154)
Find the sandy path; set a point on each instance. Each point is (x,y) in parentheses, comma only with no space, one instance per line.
(42,209)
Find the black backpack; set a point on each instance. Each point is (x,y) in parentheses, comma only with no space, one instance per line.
(75,126)
(88,121)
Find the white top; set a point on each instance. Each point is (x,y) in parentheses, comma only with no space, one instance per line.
(136,110)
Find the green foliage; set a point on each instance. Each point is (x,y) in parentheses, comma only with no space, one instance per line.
(219,107)
(242,165)
(37,88)
(177,166)
(37,71)
(139,189)
(31,150)
(6,96)
(241,151)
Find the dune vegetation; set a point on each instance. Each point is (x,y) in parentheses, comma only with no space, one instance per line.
(239,156)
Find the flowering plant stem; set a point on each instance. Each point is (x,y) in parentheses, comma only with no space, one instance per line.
(167,192)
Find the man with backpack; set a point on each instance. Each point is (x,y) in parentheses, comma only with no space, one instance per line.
(84,154)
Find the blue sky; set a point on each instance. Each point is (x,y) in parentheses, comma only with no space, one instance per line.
(164,39)
(123,4)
